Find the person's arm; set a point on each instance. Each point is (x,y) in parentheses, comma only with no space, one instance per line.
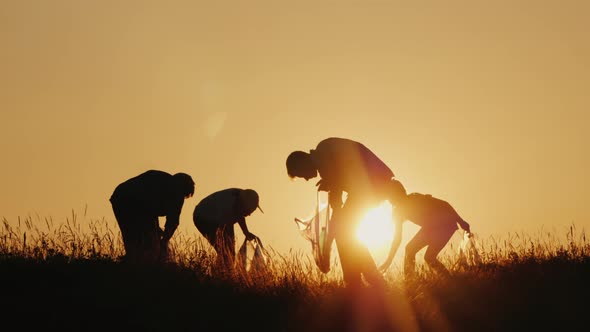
(397,239)
(249,236)
(335,199)
(465,226)
(462,223)
(334,194)
(172,221)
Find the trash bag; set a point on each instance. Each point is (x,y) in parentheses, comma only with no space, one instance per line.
(252,256)
(317,232)
(468,253)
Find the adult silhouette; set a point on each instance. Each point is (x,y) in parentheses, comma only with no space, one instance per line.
(215,216)
(438,221)
(139,201)
(345,165)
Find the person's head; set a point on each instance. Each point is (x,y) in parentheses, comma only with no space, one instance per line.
(248,202)
(397,192)
(300,164)
(185,184)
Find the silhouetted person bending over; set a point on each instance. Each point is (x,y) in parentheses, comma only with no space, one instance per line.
(215,216)
(348,166)
(438,221)
(137,204)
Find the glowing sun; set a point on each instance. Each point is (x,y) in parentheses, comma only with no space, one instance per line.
(376,229)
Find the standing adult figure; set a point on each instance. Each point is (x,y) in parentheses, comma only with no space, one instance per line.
(347,166)
(215,216)
(139,201)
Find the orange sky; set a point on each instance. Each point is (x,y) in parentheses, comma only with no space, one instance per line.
(484,104)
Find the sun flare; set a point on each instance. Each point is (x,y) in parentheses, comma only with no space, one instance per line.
(376,229)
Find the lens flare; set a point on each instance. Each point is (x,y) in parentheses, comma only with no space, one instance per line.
(376,229)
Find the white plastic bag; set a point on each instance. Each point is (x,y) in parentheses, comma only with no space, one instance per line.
(468,253)
(252,256)
(317,232)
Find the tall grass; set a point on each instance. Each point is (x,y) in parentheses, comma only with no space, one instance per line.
(80,238)
(497,283)
(522,247)
(36,238)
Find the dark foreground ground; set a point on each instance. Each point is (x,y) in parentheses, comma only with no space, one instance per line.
(58,295)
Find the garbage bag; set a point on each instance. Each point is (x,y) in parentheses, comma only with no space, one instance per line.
(317,231)
(252,256)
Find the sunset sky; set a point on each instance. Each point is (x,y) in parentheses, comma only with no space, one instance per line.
(485,104)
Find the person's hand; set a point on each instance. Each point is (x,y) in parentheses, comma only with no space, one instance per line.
(465,226)
(251,236)
(467,229)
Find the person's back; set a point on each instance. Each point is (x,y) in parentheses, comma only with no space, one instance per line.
(425,210)
(218,208)
(152,190)
(349,165)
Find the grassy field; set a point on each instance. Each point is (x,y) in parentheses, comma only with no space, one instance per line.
(66,278)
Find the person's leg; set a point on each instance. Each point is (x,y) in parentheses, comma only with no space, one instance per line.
(133,246)
(226,243)
(124,216)
(143,239)
(419,241)
(229,245)
(339,224)
(123,223)
(350,271)
(438,239)
(355,258)
(210,233)
(150,239)
(366,264)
